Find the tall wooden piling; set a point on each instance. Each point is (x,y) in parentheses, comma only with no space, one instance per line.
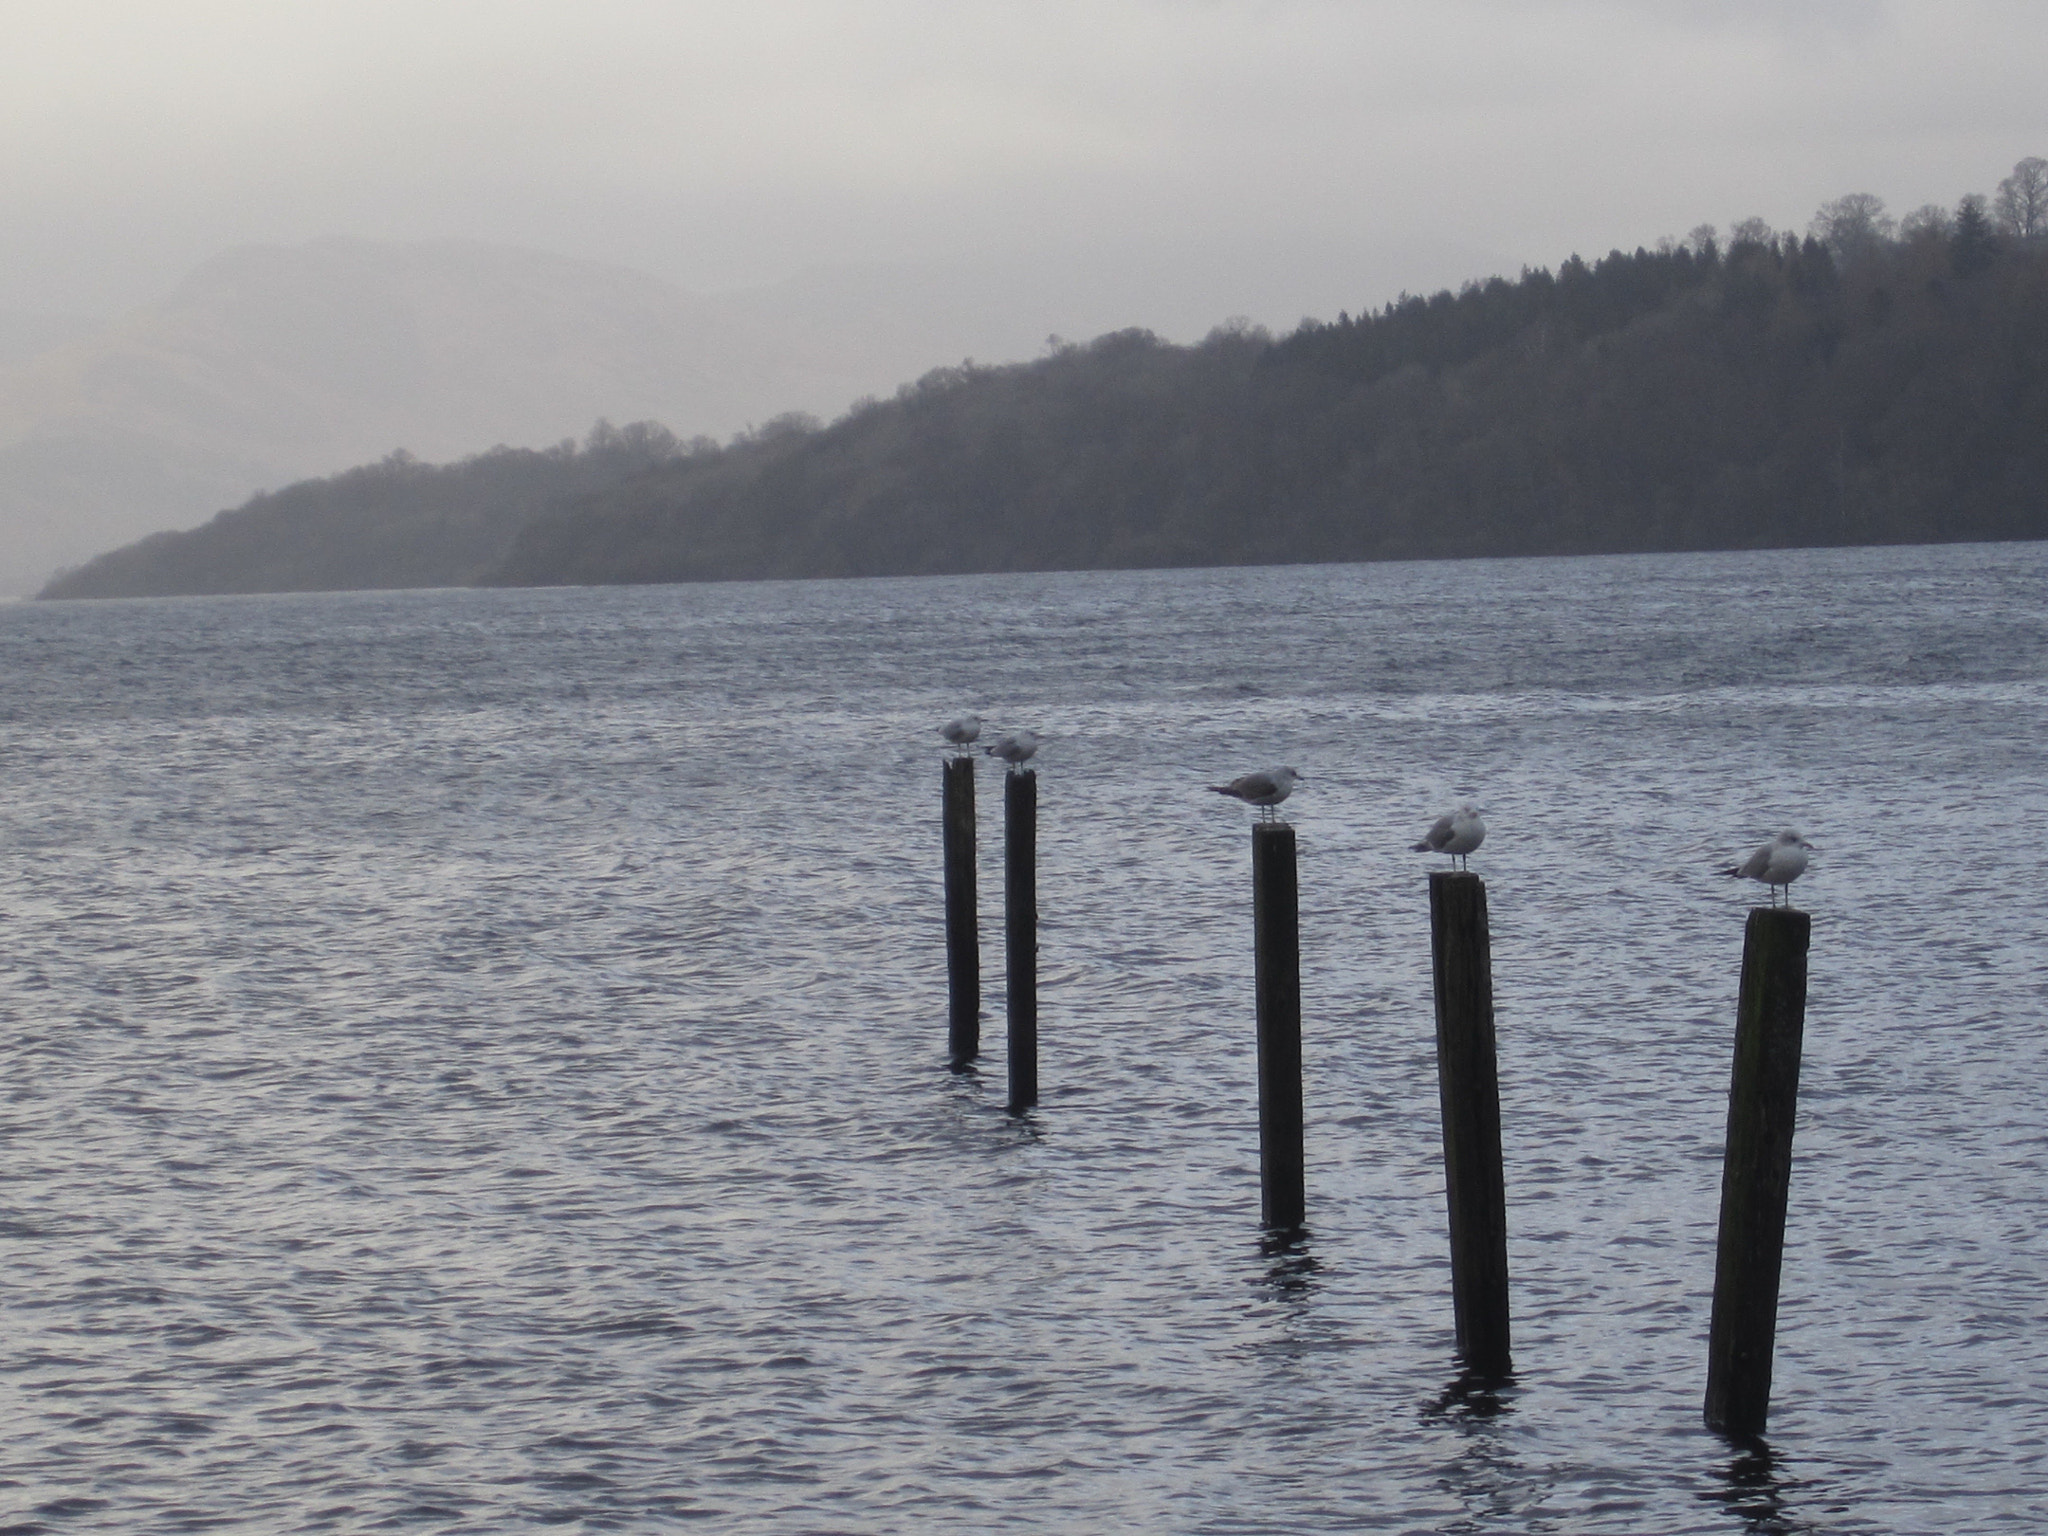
(1756,1174)
(1020,931)
(1468,1081)
(963,923)
(1276,941)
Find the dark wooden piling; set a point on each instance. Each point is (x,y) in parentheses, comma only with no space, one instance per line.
(1756,1173)
(1468,1081)
(963,924)
(1020,932)
(1276,941)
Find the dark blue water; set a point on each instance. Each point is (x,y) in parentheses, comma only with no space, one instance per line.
(474,1061)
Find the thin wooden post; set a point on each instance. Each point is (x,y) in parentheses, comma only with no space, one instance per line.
(1756,1173)
(1020,931)
(1276,941)
(963,926)
(1468,1082)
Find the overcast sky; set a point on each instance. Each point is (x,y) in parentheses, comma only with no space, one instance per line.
(1260,157)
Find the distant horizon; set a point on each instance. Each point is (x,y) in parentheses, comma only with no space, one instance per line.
(308,400)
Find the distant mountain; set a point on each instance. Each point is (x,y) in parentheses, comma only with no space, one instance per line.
(1777,394)
(273,364)
(270,364)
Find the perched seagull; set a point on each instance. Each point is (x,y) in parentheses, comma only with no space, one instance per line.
(1456,834)
(1779,862)
(1265,790)
(1014,748)
(962,732)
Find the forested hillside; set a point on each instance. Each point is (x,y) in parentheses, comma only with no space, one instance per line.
(396,523)
(1770,395)
(1864,383)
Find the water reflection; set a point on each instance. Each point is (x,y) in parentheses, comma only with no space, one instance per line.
(1472,1398)
(1024,1122)
(1291,1269)
(1485,1476)
(1753,1488)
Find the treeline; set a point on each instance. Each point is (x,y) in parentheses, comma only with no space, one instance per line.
(395,523)
(1863,382)
(1772,394)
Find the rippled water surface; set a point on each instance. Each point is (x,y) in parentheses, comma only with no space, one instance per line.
(475,1060)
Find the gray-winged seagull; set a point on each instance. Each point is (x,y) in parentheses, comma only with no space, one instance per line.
(1456,834)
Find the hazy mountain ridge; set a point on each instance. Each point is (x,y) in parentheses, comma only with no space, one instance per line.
(1784,392)
(271,364)
(403,524)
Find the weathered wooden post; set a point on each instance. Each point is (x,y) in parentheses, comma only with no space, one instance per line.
(963,930)
(1468,1081)
(1276,941)
(1020,931)
(1756,1173)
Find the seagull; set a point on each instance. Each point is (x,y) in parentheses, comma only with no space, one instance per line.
(1014,748)
(1456,834)
(962,732)
(1779,862)
(1265,790)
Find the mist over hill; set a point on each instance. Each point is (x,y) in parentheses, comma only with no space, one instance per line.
(396,523)
(272,364)
(1859,385)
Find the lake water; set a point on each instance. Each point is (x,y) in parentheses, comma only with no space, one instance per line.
(475,1060)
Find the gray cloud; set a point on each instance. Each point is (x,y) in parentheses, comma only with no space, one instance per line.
(1337,148)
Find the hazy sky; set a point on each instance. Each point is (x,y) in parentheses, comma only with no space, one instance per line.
(1203,157)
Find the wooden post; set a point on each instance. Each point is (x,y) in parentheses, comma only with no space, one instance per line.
(1020,931)
(1468,1081)
(963,927)
(1276,941)
(1756,1173)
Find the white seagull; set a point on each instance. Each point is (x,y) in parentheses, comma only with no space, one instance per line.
(1265,790)
(1456,834)
(962,732)
(1778,863)
(1014,748)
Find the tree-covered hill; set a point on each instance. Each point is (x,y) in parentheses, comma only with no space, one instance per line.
(396,523)
(1770,395)
(1867,383)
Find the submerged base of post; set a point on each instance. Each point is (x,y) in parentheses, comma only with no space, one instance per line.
(1020,929)
(1276,938)
(1468,1081)
(1756,1175)
(963,927)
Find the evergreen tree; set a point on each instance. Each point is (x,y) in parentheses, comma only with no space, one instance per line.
(1971,243)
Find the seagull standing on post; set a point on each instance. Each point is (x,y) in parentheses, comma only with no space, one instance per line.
(1265,790)
(1014,747)
(962,732)
(1778,863)
(1456,834)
